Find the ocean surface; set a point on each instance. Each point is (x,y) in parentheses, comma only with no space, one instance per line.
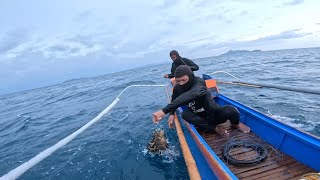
(115,147)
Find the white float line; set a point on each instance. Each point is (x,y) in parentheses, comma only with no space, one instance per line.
(18,171)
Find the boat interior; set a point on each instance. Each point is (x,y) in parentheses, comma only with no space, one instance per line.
(275,165)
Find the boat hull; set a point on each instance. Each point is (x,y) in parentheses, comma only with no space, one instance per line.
(301,146)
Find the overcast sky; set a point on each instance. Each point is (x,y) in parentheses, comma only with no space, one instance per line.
(46,42)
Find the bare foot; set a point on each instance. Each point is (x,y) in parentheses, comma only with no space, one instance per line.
(243,128)
(221,131)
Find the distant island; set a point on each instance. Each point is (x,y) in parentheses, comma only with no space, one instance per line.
(239,52)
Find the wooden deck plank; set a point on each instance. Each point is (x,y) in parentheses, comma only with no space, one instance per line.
(274,172)
(297,169)
(274,167)
(266,169)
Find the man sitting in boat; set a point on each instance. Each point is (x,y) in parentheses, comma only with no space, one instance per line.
(201,111)
(178,61)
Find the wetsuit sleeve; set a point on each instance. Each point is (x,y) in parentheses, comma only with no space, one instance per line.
(173,97)
(191,64)
(197,90)
(171,75)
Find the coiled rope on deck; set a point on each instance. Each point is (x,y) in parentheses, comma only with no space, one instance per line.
(241,147)
(18,171)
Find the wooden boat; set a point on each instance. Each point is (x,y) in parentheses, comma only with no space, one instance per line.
(291,153)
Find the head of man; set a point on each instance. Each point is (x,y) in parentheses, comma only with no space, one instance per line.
(184,77)
(174,55)
(182,80)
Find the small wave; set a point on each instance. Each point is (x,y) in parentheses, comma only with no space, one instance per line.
(20,123)
(283,60)
(121,120)
(304,55)
(70,117)
(270,79)
(168,156)
(79,94)
(24,125)
(296,123)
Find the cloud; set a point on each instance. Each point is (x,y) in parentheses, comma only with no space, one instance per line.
(284,35)
(257,42)
(84,15)
(162,4)
(13,39)
(57,47)
(126,33)
(244,12)
(293,2)
(125,48)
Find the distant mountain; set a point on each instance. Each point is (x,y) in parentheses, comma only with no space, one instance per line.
(232,52)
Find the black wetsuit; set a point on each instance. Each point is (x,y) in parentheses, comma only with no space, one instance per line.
(182,61)
(201,111)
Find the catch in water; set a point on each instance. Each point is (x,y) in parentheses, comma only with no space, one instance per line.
(158,142)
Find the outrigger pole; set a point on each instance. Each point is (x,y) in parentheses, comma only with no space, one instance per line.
(262,85)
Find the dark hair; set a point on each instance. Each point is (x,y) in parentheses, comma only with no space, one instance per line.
(174,52)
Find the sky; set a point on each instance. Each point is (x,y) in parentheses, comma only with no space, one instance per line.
(47,42)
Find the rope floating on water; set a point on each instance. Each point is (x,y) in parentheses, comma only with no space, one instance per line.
(18,171)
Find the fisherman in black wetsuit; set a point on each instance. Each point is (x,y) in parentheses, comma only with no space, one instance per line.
(201,111)
(178,61)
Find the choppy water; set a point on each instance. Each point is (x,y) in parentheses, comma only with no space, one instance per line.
(114,148)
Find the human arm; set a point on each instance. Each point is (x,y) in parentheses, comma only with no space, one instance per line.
(171,121)
(197,90)
(173,69)
(193,66)
(157,116)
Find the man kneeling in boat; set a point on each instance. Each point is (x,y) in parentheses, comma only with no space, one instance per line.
(201,111)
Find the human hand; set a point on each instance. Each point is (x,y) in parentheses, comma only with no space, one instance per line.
(171,121)
(166,76)
(157,116)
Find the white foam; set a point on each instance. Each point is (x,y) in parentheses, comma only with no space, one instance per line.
(293,122)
